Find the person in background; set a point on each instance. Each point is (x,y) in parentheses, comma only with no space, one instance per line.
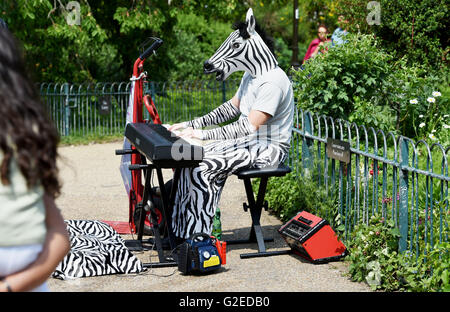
(33,235)
(315,45)
(339,33)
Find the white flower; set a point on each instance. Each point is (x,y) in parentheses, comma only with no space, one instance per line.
(445,116)
(413,101)
(446,126)
(436,93)
(431,100)
(420,116)
(422,125)
(433,131)
(431,136)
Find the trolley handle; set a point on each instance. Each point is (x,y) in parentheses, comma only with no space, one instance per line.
(155,45)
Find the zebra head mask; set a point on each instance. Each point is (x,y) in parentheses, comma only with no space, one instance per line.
(244,49)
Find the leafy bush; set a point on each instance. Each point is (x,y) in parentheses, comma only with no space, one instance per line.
(429,272)
(374,258)
(427,269)
(432,123)
(331,82)
(405,83)
(371,254)
(360,82)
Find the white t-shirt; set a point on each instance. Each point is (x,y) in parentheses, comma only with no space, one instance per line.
(270,93)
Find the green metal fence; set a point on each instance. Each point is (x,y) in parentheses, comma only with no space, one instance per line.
(100,109)
(386,174)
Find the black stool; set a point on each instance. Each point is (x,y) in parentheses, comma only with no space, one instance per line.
(256,207)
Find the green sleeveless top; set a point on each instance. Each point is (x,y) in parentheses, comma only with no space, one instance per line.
(22,211)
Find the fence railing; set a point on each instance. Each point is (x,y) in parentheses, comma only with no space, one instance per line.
(100,109)
(385,174)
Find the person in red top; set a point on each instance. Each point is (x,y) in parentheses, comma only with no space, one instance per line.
(314,46)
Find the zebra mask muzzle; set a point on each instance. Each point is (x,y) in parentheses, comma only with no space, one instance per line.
(208,68)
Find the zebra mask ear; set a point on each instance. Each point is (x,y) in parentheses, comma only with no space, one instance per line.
(250,21)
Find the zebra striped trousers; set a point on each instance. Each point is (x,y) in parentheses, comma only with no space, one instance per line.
(198,192)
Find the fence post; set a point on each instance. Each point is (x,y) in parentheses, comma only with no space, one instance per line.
(153,92)
(404,188)
(66,109)
(307,144)
(224,92)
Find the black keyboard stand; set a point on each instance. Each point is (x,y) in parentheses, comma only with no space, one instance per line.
(167,201)
(156,143)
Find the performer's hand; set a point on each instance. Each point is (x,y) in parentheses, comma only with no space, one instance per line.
(177,126)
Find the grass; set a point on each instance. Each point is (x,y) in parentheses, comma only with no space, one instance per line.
(89,139)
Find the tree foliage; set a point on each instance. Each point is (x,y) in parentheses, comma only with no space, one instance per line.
(106,42)
(56,51)
(417,29)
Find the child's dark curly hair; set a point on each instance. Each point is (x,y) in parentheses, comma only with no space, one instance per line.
(27,134)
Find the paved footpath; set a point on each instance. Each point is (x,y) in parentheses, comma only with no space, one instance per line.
(93,190)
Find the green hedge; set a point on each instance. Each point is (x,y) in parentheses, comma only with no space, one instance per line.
(361,82)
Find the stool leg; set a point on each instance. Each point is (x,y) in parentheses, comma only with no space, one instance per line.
(256,234)
(255,211)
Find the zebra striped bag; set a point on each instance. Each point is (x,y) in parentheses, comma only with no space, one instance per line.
(96,249)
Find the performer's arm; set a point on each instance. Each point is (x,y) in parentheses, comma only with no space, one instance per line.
(240,128)
(223,113)
(265,106)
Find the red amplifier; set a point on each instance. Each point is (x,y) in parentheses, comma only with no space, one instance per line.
(312,238)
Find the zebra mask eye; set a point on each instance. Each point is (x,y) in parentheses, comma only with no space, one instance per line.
(236,45)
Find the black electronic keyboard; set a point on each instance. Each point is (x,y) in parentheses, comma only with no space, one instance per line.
(163,148)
